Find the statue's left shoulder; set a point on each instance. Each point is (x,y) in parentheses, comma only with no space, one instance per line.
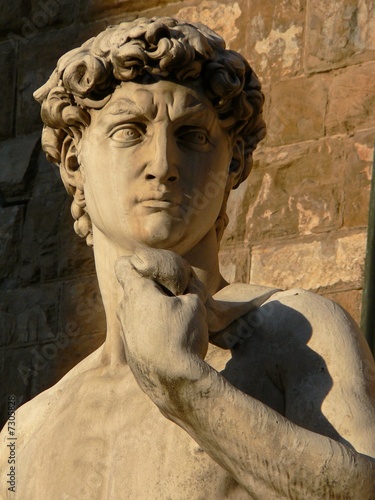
(328,369)
(325,321)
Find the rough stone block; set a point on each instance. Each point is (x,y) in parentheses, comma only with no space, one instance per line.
(350,300)
(297,110)
(47,178)
(82,310)
(358,174)
(27,371)
(11,15)
(97,9)
(26,22)
(234,265)
(12,362)
(353,86)
(221,17)
(44,49)
(290,193)
(339,33)
(15,156)
(327,263)
(7,85)
(236,211)
(10,242)
(274,37)
(40,253)
(45,14)
(29,315)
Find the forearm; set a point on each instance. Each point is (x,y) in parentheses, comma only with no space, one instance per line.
(264,451)
(269,456)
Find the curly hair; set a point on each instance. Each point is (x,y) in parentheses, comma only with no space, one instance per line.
(146,50)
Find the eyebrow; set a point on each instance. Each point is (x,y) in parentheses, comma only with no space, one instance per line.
(194,111)
(124,106)
(199,110)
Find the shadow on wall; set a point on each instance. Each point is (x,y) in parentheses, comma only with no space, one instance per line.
(51,314)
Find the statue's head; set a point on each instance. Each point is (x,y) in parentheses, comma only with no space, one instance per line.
(186,64)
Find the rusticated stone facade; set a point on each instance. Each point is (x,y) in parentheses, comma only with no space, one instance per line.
(300,220)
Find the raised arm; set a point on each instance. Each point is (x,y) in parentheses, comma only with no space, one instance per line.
(166,339)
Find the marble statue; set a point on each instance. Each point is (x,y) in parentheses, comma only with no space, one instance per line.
(202,389)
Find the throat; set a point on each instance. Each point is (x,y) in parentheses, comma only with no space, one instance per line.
(203,258)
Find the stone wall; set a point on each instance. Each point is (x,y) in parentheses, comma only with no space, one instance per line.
(300,220)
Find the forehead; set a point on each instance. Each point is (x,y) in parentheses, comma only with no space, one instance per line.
(160,98)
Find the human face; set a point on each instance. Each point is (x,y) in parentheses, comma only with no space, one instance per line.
(155,163)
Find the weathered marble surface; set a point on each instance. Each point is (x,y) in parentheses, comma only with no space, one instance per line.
(281,402)
(281,41)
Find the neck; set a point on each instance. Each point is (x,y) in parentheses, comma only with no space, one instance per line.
(203,258)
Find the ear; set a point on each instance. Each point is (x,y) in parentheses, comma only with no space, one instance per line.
(237,164)
(71,172)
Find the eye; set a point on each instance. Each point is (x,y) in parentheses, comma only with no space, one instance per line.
(128,134)
(195,137)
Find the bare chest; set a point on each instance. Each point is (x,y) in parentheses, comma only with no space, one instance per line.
(114,443)
(105,439)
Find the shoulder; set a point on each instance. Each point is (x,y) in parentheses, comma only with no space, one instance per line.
(305,319)
(32,415)
(320,320)
(311,305)
(327,368)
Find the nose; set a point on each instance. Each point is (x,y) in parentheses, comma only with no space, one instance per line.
(162,161)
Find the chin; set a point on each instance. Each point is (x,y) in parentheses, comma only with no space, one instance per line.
(164,234)
(162,231)
(164,241)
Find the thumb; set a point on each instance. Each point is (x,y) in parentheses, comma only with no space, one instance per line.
(163,266)
(123,269)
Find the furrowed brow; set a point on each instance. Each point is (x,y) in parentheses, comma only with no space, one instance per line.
(124,106)
(196,114)
(121,110)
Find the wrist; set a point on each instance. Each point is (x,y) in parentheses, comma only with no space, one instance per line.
(174,388)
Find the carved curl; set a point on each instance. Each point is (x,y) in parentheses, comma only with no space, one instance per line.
(147,50)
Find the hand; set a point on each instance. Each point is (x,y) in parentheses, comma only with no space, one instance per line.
(163,316)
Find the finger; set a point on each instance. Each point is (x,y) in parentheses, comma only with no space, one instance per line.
(123,268)
(135,285)
(163,266)
(129,278)
(196,287)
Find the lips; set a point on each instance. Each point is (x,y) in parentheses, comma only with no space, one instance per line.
(152,203)
(159,200)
